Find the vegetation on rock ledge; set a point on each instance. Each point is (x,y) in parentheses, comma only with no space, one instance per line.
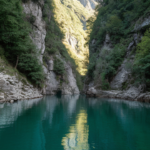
(117,18)
(15,40)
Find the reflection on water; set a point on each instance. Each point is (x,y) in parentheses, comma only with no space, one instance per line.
(77,139)
(71,100)
(52,102)
(74,123)
(11,111)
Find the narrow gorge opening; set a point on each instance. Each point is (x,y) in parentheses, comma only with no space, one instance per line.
(67,52)
(48,44)
(56,43)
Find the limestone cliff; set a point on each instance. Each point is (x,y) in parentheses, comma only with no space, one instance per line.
(89,4)
(75,14)
(52,82)
(14,86)
(34,10)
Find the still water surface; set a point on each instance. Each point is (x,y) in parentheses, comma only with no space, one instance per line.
(74,123)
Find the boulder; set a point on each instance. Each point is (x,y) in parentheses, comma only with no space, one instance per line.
(11,101)
(2,96)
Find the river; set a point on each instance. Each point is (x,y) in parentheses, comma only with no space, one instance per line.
(74,123)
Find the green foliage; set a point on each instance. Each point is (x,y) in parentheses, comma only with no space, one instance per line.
(117,17)
(1,51)
(91,66)
(15,40)
(30,66)
(59,68)
(114,25)
(61,18)
(79,80)
(141,68)
(51,51)
(32,19)
(143,48)
(65,20)
(103,68)
(124,85)
(105,83)
(54,35)
(114,60)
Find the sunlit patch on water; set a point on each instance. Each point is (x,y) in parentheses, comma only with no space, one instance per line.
(77,138)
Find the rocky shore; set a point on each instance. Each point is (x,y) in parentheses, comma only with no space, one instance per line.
(13,88)
(132,93)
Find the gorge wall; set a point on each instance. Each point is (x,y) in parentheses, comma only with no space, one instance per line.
(57,30)
(118,65)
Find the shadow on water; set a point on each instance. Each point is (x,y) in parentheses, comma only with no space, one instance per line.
(59,94)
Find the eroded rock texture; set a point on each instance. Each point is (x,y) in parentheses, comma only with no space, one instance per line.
(33,12)
(89,4)
(54,83)
(13,88)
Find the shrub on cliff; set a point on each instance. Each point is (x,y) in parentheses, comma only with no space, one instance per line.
(61,19)
(14,38)
(59,66)
(141,68)
(117,17)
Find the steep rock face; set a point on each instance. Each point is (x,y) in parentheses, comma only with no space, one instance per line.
(121,77)
(124,75)
(72,41)
(53,82)
(76,13)
(142,23)
(34,12)
(121,85)
(89,4)
(13,88)
(52,85)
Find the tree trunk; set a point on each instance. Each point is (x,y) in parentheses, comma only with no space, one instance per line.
(17,62)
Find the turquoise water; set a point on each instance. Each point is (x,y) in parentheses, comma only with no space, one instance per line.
(74,123)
